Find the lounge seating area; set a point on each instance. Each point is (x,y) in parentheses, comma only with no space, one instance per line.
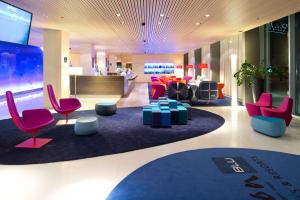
(149,100)
(181,89)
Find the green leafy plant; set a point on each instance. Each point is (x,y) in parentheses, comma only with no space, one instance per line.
(246,74)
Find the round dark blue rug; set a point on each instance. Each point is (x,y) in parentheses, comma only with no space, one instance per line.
(119,133)
(214,174)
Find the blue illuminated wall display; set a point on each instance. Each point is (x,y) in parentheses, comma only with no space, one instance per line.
(21,68)
(158,68)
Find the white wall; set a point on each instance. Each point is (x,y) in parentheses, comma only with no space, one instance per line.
(206,59)
(75,59)
(138,61)
(86,55)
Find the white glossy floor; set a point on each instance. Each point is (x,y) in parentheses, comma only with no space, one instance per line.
(94,178)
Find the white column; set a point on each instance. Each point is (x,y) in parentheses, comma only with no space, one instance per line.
(87,54)
(234,89)
(56,63)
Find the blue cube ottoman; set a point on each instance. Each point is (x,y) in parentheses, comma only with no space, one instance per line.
(274,127)
(165,118)
(174,116)
(182,115)
(156,118)
(172,104)
(189,109)
(147,116)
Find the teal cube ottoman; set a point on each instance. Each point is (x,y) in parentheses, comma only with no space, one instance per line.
(172,104)
(182,115)
(189,109)
(274,127)
(174,116)
(147,116)
(165,118)
(156,118)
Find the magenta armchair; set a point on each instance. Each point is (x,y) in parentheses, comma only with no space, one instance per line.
(284,111)
(254,109)
(32,122)
(159,90)
(65,106)
(187,78)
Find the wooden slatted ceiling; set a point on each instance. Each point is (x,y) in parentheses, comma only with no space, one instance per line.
(96,21)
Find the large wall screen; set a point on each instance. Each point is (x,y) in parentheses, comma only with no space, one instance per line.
(15,24)
(159,68)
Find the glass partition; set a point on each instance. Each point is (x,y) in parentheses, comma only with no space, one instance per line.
(278,58)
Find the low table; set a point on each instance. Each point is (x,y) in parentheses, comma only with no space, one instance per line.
(106,109)
(86,126)
(274,127)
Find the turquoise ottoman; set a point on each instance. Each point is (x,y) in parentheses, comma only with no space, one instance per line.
(172,104)
(106,109)
(86,126)
(189,110)
(165,118)
(182,115)
(156,118)
(147,116)
(274,127)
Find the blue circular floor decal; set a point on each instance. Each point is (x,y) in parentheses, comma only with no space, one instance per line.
(214,174)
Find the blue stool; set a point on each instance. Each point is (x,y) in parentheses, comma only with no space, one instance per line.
(274,127)
(172,104)
(165,118)
(147,116)
(189,110)
(156,118)
(182,115)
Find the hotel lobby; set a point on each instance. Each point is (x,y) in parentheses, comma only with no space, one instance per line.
(149,99)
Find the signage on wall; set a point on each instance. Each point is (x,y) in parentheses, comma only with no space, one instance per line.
(280,27)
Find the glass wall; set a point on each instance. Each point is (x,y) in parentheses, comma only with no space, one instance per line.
(297,17)
(277,55)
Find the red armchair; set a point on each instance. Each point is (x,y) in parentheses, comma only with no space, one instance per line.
(32,122)
(159,90)
(254,109)
(284,111)
(187,78)
(65,106)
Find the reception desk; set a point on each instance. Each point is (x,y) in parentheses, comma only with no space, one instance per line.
(101,85)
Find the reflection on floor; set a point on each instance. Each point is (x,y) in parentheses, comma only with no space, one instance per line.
(94,178)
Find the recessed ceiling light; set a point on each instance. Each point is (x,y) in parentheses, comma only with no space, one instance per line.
(122,22)
(159,23)
(162,15)
(207,15)
(118,15)
(197,23)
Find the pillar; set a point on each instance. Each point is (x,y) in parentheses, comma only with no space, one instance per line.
(56,63)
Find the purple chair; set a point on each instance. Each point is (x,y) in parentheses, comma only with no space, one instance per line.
(284,111)
(31,122)
(65,106)
(254,109)
(159,90)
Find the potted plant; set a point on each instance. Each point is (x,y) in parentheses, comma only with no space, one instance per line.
(247,74)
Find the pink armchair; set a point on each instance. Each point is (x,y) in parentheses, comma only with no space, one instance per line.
(32,122)
(254,109)
(159,90)
(187,78)
(65,106)
(284,111)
